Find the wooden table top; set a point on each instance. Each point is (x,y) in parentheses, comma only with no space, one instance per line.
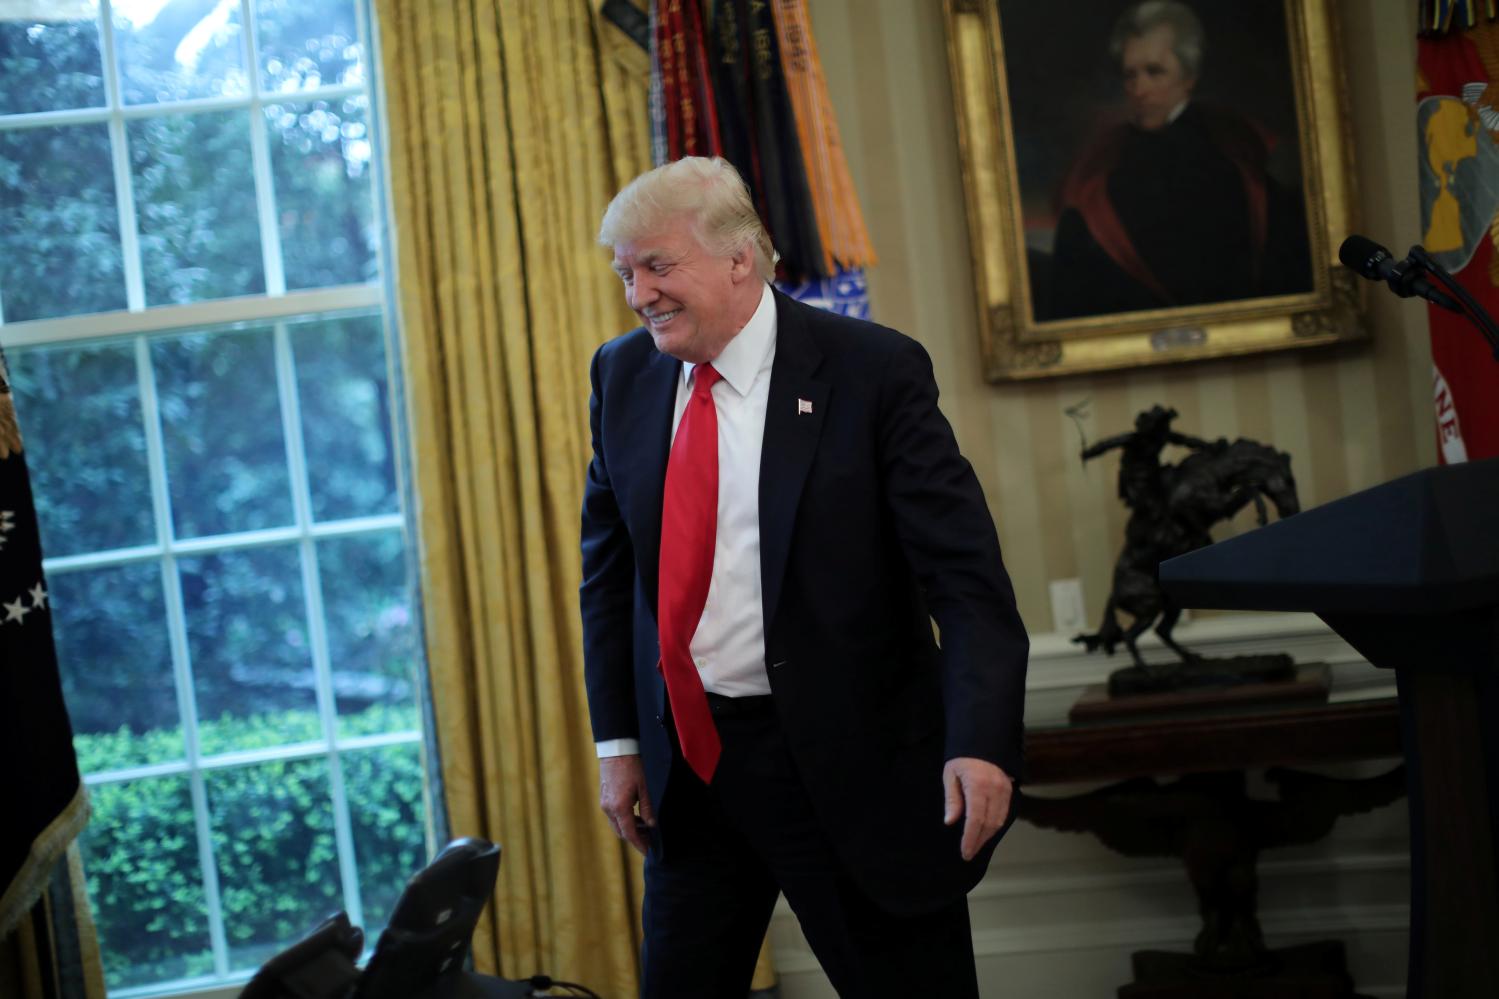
(1198,743)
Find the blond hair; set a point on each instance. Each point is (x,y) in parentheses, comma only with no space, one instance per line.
(710,192)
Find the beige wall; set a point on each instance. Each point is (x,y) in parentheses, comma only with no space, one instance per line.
(1349,420)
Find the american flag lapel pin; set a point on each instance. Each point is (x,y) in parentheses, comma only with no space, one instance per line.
(803,406)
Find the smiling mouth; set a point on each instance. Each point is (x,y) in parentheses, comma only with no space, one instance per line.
(660,319)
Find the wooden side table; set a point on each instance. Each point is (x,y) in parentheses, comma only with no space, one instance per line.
(1206,818)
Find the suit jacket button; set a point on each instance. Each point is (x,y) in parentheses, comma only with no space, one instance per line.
(660,721)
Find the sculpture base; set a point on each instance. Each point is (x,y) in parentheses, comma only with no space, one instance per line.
(1202,674)
(1308,683)
(1309,971)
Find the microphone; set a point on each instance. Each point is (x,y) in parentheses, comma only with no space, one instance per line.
(1367,258)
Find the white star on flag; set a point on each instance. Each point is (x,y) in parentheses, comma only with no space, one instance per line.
(38,596)
(16,611)
(803,406)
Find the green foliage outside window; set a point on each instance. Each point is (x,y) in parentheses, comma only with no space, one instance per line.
(193,187)
(272,836)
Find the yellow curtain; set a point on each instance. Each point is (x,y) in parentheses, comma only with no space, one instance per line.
(510,127)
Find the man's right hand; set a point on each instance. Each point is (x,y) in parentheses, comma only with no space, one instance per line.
(621,789)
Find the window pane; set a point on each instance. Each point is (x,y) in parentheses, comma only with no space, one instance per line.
(221,421)
(59,228)
(51,65)
(111,633)
(195,201)
(80,415)
(247,630)
(345,401)
(384,786)
(145,882)
(320,156)
(372,643)
(277,860)
(172,51)
(306,44)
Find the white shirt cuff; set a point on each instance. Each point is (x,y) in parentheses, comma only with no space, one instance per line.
(617,747)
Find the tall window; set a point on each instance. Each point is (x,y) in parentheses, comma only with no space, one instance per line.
(191,304)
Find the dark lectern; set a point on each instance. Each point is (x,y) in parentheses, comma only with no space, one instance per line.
(1408,574)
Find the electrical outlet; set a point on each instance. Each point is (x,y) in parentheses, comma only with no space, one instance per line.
(1069,616)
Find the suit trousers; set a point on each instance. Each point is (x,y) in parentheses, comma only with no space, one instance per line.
(735,844)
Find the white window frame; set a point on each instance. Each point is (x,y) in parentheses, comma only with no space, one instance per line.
(116,113)
(280,309)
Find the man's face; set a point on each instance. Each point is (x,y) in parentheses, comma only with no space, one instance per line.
(685,296)
(1154,80)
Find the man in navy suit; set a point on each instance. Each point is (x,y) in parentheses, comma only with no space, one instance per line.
(817,739)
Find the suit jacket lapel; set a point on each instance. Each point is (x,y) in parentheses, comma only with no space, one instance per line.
(793,422)
(648,429)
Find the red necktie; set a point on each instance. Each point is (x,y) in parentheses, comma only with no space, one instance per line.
(689,528)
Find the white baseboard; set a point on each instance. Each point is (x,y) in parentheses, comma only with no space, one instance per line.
(1062,879)
(1171,933)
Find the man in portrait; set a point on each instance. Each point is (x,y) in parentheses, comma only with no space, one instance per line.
(1177,205)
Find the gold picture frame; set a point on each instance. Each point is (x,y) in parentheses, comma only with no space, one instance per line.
(1019,340)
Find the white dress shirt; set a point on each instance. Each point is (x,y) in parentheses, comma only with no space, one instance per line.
(729,644)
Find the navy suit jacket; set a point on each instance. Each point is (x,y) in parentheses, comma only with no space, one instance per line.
(872,525)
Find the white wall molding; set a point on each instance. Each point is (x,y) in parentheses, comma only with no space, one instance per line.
(1060,670)
(1063,878)
(1057,661)
(1173,933)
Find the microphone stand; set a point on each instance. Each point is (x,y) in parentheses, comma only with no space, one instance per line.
(1473,312)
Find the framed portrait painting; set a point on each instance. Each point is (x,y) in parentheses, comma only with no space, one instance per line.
(1152,181)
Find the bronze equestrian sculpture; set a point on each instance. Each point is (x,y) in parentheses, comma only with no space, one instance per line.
(1172,509)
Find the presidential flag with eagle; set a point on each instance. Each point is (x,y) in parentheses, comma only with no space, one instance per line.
(1457,120)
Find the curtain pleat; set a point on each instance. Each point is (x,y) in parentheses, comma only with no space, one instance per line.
(511,124)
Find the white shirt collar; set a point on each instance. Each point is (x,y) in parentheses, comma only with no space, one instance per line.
(1176,112)
(740,361)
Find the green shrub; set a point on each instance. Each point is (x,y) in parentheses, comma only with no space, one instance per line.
(272,835)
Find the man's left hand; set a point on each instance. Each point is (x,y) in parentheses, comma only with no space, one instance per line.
(981,791)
